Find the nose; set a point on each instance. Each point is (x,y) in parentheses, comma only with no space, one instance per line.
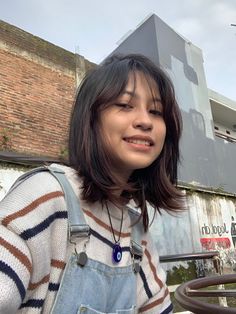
(143,120)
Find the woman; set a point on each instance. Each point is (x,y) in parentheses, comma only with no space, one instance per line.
(123,151)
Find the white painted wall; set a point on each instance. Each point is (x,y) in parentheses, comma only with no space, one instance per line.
(7,178)
(204,227)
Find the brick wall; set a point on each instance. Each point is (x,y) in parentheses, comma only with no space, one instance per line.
(37,87)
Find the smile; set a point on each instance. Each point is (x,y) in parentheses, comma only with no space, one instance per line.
(145,142)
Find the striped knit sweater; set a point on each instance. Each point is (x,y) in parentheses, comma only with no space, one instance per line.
(34,247)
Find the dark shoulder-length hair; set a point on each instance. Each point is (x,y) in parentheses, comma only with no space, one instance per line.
(88,155)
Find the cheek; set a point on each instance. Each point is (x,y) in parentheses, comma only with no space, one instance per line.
(108,137)
(104,138)
(162,132)
(104,126)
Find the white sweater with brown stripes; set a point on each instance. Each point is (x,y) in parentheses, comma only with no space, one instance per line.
(34,247)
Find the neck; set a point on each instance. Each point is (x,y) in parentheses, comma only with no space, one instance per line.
(121,183)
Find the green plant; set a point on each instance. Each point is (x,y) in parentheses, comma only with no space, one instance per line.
(5,139)
(63,155)
(181,274)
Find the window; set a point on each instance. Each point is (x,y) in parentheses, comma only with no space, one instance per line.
(224,116)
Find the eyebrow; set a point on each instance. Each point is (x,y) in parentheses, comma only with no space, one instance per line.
(132,94)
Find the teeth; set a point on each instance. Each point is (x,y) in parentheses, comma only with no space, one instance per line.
(141,142)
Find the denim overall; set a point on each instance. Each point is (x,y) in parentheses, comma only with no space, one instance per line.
(95,287)
(88,286)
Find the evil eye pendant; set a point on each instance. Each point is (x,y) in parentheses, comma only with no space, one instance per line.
(116,253)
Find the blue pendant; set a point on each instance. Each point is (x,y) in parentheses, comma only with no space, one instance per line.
(116,253)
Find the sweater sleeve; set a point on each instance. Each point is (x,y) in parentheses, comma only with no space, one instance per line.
(15,270)
(27,215)
(153,293)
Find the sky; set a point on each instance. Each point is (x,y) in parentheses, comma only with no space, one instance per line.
(93,28)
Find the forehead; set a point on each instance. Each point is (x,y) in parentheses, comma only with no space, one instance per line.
(139,79)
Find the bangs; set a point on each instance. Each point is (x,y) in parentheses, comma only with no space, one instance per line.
(111,93)
(115,80)
(152,85)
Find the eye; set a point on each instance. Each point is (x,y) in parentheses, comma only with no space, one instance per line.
(156,112)
(124,106)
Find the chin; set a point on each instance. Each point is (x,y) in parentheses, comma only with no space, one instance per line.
(141,166)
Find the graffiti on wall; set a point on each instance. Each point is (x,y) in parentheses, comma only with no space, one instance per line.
(218,236)
(233,230)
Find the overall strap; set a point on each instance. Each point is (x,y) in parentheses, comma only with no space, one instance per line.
(136,235)
(77,226)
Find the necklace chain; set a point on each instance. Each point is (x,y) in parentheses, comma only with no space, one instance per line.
(113,233)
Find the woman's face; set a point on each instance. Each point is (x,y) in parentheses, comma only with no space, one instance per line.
(132,127)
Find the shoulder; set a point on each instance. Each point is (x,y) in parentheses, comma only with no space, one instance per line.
(37,196)
(37,183)
(34,181)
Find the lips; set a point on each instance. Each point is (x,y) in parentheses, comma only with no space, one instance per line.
(140,140)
